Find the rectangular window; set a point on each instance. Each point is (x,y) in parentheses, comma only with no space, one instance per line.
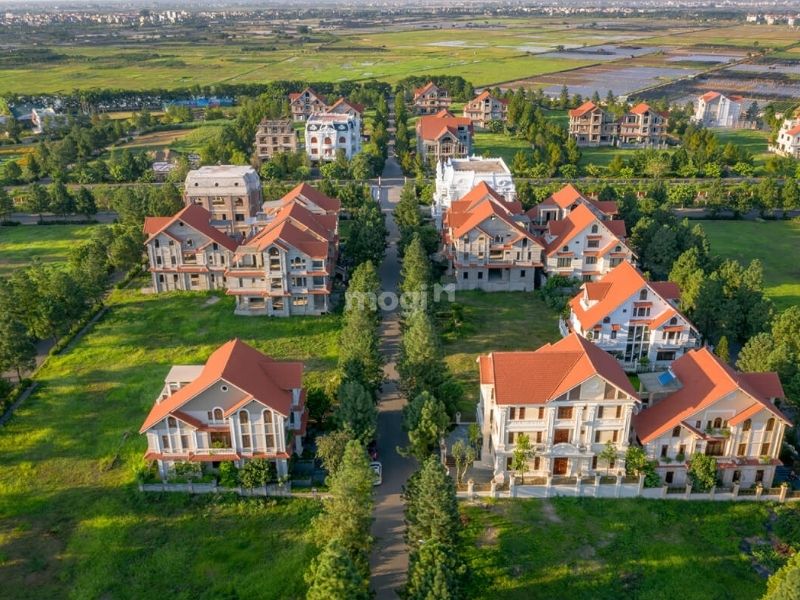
(185,442)
(521,413)
(512,413)
(741,450)
(593,243)
(510,437)
(539,437)
(564,412)
(164,442)
(541,413)
(564,263)
(600,412)
(591,260)
(759,475)
(561,436)
(618,414)
(765,449)
(245,440)
(664,450)
(669,476)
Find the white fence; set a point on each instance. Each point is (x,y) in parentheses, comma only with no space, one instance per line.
(271,489)
(593,488)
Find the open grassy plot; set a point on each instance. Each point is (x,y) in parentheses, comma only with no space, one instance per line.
(774,243)
(752,140)
(495,321)
(600,156)
(604,549)
(49,243)
(498,144)
(73,523)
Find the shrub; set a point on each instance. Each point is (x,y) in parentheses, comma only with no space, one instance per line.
(702,472)
(228,474)
(257,472)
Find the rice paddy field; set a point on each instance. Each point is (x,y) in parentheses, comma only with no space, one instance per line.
(583,53)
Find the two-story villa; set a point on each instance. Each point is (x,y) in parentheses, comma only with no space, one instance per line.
(430,99)
(487,246)
(716,110)
(583,246)
(327,133)
(240,405)
(287,267)
(231,193)
(442,136)
(306,103)
(570,398)
(631,318)
(485,108)
(702,405)
(274,136)
(185,252)
(787,142)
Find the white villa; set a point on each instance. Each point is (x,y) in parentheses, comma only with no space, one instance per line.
(570,398)
(326,133)
(455,177)
(788,140)
(715,110)
(635,320)
(701,405)
(240,405)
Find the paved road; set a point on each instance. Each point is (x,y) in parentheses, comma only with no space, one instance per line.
(389,560)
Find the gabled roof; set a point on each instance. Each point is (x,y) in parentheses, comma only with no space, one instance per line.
(311,91)
(491,210)
(584,108)
(794,130)
(641,108)
(265,379)
(485,94)
(574,223)
(567,196)
(547,373)
(296,226)
(303,190)
(344,102)
(709,96)
(459,211)
(705,379)
(619,285)
(432,127)
(424,89)
(196,217)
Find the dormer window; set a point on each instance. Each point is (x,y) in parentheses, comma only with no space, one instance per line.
(643,295)
(565,249)
(673,321)
(594,228)
(606,319)
(171,422)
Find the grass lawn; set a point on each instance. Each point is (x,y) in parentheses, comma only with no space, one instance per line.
(49,243)
(73,523)
(602,155)
(498,144)
(495,321)
(752,140)
(773,243)
(607,549)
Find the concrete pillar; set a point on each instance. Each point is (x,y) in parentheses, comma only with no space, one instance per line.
(512,487)
(641,484)
(736,490)
(618,486)
(664,489)
(597,486)
(784,490)
(712,492)
(578,485)
(493,489)
(470,489)
(688,490)
(759,491)
(549,488)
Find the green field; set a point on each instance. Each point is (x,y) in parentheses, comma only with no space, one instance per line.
(495,321)
(753,140)
(602,155)
(498,144)
(607,549)
(48,243)
(774,243)
(73,523)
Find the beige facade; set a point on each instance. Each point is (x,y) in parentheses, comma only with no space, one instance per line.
(231,193)
(442,136)
(274,136)
(485,108)
(590,125)
(430,99)
(306,103)
(643,126)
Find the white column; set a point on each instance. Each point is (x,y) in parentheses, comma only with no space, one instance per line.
(576,436)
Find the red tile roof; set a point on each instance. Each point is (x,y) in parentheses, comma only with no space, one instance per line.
(640,108)
(196,217)
(705,379)
(268,381)
(576,222)
(545,374)
(312,194)
(432,127)
(359,108)
(584,108)
(794,130)
(487,210)
(419,91)
(708,96)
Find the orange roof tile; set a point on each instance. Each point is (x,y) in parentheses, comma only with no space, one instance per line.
(268,381)
(576,222)
(419,91)
(794,130)
(705,379)
(432,127)
(545,374)
(708,96)
(359,108)
(587,106)
(196,217)
(640,108)
(303,190)
(488,210)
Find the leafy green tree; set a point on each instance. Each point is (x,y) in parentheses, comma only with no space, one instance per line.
(357,414)
(523,452)
(363,289)
(415,272)
(702,472)
(722,350)
(347,515)
(431,508)
(85,203)
(520,163)
(61,201)
(11,172)
(126,248)
(434,573)
(332,575)
(360,358)
(426,421)
(257,472)
(785,583)
(6,204)
(330,449)
(608,455)
(464,455)
(38,201)
(17,350)
(367,239)
(420,365)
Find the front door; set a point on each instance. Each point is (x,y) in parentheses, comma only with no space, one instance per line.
(560,466)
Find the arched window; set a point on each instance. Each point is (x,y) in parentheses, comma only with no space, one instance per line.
(676,431)
(342,140)
(327,140)
(673,321)
(244,423)
(217,414)
(770,424)
(747,425)
(643,295)
(717,423)
(171,422)
(594,228)
(269,430)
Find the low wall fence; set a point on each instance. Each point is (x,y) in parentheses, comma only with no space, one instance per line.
(268,490)
(619,487)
